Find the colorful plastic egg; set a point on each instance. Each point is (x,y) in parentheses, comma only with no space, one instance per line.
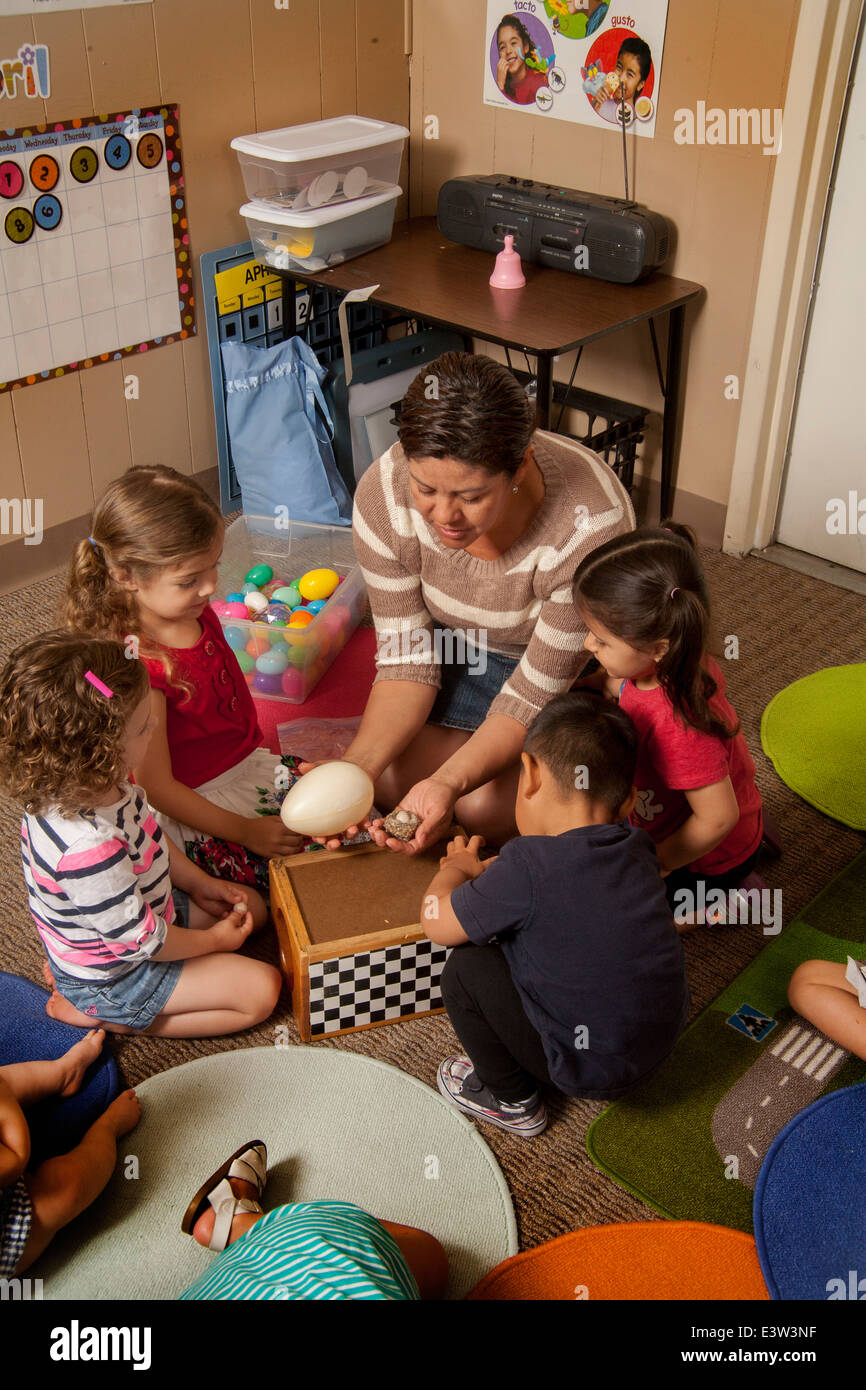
(278,612)
(249,589)
(268,683)
(293,684)
(272,663)
(316,605)
(288,594)
(234,598)
(236,638)
(272,585)
(256,602)
(318,583)
(236,610)
(300,618)
(249,676)
(246,662)
(327,799)
(298,656)
(259,575)
(220,607)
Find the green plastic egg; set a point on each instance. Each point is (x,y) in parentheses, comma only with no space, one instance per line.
(259,575)
(245,661)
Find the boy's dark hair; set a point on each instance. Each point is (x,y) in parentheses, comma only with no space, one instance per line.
(579,731)
(480,414)
(648,587)
(641,51)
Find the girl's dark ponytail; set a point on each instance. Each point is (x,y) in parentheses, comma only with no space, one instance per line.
(648,587)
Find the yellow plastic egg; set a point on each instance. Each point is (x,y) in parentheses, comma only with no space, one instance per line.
(328,799)
(318,583)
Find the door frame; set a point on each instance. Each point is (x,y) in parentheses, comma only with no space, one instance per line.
(820,71)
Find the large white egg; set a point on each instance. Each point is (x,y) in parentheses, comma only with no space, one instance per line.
(328,799)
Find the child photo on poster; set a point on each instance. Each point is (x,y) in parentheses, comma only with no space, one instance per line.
(577,60)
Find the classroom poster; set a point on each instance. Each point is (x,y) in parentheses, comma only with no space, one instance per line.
(587,61)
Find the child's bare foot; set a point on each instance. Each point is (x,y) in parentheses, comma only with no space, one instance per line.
(203,1228)
(61,1009)
(74,1063)
(124,1113)
(48,976)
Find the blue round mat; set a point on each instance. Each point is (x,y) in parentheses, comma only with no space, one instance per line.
(27,1034)
(810,1202)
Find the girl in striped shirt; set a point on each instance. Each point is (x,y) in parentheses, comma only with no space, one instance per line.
(109,892)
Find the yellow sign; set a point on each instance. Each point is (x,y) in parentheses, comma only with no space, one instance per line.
(240,279)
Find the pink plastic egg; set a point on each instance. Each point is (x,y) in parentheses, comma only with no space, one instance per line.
(221,608)
(236,610)
(293,683)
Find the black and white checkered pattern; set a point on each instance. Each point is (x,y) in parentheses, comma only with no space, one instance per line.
(375,986)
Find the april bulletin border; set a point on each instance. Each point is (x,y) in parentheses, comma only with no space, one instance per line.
(182,254)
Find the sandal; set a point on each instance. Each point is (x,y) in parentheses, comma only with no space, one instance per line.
(249,1163)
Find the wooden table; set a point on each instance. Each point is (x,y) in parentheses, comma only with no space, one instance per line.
(422,274)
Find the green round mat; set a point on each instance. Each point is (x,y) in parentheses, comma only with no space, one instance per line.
(814,733)
(336,1125)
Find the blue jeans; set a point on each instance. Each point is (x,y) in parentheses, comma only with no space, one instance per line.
(468,691)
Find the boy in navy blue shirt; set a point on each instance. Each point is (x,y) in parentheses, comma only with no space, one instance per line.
(585,985)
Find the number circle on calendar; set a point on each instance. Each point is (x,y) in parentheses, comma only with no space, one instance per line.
(19,225)
(149,150)
(11,179)
(84,164)
(47,212)
(117,152)
(44,172)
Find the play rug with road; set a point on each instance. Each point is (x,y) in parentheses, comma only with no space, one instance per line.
(336,1125)
(691,1140)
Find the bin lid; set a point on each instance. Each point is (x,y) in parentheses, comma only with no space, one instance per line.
(319,139)
(317,217)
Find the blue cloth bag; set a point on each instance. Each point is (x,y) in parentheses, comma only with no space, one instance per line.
(280,433)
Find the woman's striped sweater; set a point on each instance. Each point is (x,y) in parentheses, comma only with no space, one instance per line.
(519,605)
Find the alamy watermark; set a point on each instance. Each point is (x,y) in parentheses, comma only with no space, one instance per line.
(737,906)
(22,516)
(737,126)
(444,645)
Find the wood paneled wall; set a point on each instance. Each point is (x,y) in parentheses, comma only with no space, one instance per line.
(727,53)
(232,66)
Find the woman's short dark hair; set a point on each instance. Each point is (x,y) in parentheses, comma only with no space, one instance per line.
(469,408)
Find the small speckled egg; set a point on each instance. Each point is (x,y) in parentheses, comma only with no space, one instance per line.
(259,574)
(318,583)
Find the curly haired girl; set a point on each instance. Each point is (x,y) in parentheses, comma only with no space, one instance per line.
(145,577)
(109,893)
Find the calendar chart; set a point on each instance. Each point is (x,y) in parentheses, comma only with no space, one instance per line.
(95,260)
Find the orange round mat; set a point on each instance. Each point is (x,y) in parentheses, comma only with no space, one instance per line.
(636,1260)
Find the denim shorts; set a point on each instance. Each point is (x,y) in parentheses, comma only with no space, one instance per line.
(468,690)
(134,999)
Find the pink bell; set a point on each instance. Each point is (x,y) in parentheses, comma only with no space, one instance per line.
(508,274)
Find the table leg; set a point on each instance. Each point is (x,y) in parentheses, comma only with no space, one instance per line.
(672,403)
(544,395)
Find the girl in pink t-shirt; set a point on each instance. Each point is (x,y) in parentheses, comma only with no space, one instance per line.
(644,600)
(145,577)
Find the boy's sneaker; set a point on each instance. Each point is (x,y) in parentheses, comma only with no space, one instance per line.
(458,1083)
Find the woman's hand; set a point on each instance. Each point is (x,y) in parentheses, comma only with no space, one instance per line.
(433,802)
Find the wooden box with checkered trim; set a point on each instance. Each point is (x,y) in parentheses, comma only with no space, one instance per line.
(351,942)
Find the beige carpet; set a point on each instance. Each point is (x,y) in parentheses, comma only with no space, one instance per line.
(788,626)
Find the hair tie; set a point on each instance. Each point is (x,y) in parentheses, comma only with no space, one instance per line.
(94,543)
(675,591)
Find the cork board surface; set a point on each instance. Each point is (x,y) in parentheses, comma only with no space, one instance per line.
(362,893)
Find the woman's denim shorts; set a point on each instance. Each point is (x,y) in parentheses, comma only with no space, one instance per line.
(469,687)
(134,999)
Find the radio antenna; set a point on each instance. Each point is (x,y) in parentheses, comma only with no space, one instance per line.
(622,123)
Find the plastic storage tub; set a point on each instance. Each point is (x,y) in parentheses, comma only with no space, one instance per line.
(322,162)
(291,548)
(326,236)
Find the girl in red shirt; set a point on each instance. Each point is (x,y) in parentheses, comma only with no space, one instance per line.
(514,45)
(145,576)
(644,599)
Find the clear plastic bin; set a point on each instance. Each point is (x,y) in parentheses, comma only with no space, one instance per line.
(291,548)
(327,236)
(322,162)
